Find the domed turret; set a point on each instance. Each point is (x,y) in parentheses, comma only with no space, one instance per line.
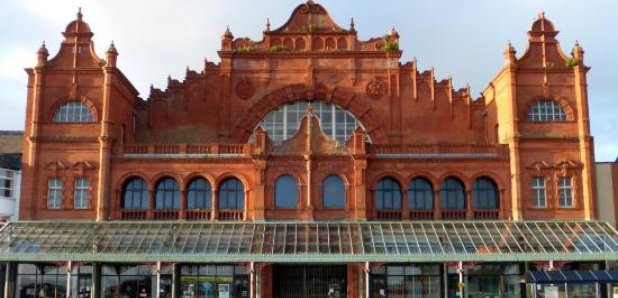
(42,55)
(78,27)
(542,24)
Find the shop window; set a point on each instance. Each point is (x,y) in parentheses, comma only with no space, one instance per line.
(199,194)
(167,194)
(231,194)
(213,280)
(41,280)
(388,195)
(333,192)
(422,281)
(286,192)
(452,194)
(54,193)
(81,193)
(420,195)
(565,191)
(135,194)
(539,192)
(73,112)
(546,111)
(485,194)
(133,281)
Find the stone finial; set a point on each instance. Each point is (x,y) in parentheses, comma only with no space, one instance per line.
(352,25)
(42,55)
(228,34)
(578,52)
(80,16)
(267,25)
(393,32)
(509,54)
(111,55)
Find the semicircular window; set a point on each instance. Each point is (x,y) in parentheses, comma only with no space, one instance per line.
(337,123)
(546,110)
(73,112)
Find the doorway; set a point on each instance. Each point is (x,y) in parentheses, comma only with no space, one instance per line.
(309,281)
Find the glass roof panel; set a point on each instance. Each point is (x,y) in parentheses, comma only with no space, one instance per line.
(309,241)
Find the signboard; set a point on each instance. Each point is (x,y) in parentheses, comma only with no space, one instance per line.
(224,291)
(550,292)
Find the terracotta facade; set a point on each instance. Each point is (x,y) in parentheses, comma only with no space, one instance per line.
(206,125)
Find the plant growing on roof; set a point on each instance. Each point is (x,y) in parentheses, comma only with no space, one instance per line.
(571,62)
(245,49)
(278,48)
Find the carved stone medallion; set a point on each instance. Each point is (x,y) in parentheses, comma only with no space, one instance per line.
(245,89)
(375,89)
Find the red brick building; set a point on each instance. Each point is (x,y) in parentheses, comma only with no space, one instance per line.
(312,126)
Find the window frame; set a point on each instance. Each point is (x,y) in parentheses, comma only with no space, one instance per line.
(566,192)
(73,111)
(328,198)
(196,191)
(7,183)
(167,191)
(448,193)
(238,191)
(54,193)
(479,191)
(286,182)
(394,194)
(538,189)
(134,192)
(414,191)
(546,110)
(81,193)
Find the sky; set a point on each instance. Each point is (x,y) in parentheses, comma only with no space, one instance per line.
(462,39)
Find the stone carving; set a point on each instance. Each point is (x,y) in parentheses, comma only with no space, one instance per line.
(244,88)
(310,7)
(375,89)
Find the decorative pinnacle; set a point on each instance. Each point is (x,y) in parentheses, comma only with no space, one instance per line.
(267,24)
(541,14)
(228,33)
(352,24)
(509,47)
(43,50)
(112,48)
(79,14)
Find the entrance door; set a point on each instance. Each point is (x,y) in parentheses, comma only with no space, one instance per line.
(304,281)
(84,282)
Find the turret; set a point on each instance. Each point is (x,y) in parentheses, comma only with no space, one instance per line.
(111,55)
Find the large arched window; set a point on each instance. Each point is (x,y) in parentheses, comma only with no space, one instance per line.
(135,194)
(452,194)
(199,193)
(73,112)
(546,110)
(333,192)
(282,123)
(167,194)
(388,194)
(485,194)
(420,195)
(231,194)
(286,192)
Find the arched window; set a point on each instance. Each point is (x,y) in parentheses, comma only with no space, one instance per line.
(546,110)
(167,195)
(199,194)
(388,195)
(420,195)
(231,194)
(452,194)
(135,194)
(286,192)
(282,123)
(73,112)
(333,192)
(485,194)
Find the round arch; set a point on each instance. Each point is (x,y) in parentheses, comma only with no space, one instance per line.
(347,100)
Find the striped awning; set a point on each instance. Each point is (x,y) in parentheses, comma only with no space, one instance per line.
(342,241)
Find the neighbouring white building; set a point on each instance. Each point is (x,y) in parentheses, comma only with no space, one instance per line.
(10,174)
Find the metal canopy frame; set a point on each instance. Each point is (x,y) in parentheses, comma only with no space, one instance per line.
(301,242)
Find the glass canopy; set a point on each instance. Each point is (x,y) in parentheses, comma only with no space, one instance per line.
(443,241)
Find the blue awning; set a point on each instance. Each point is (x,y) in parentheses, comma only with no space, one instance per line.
(576,276)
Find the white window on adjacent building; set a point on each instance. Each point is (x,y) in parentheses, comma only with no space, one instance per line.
(7,182)
(538,192)
(54,193)
(81,193)
(565,190)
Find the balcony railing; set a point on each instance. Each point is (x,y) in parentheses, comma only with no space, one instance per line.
(231,215)
(166,214)
(167,149)
(389,214)
(462,150)
(421,214)
(454,214)
(487,214)
(129,214)
(197,215)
